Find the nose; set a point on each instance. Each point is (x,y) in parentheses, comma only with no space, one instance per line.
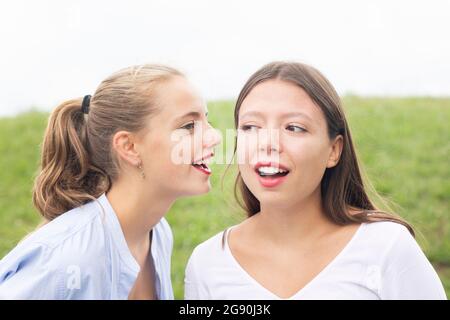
(269,141)
(211,137)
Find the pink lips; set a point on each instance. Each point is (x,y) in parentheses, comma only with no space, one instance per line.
(270,182)
(206,171)
(204,167)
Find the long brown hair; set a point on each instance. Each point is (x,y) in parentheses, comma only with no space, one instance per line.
(77,161)
(342,188)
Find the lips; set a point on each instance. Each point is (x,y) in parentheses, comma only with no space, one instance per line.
(201,164)
(271,174)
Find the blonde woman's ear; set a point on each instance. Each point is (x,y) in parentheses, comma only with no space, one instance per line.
(124,147)
(336,151)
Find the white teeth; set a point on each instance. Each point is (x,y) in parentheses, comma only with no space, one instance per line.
(202,162)
(270,170)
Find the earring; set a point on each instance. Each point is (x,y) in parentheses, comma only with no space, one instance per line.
(142,170)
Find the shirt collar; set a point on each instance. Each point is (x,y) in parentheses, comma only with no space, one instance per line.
(117,234)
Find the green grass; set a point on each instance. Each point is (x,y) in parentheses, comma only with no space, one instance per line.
(403,143)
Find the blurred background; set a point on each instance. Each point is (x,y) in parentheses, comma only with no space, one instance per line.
(389,60)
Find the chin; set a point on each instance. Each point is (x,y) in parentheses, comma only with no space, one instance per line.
(198,189)
(272,197)
(205,188)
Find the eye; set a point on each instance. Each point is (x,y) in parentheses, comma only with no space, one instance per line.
(189,126)
(249,127)
(295,128)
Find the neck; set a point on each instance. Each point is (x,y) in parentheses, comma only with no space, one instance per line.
(298,221)
(139,208)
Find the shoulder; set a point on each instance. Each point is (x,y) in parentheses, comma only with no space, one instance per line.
(72,238)
(70,247)
(395,249)
(384,234)
(382,243)
(406,271)
(65,226)
(214,245)
(205,263)
(208,253)
(400,247)
(33,254)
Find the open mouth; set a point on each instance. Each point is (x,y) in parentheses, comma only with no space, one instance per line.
(271,172)
(202,166)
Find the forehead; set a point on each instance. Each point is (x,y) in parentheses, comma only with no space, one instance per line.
(277,98)
(177,96)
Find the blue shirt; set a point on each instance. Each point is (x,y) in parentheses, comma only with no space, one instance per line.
(82,254)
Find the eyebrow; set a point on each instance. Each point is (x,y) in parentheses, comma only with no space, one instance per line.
(285,115)
(193,114)
(297,114)
(252,113)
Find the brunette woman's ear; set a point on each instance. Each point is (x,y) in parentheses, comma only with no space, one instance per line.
(124,146)
(336,151)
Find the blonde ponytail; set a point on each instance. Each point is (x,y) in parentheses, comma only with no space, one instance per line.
(67,179)
(77,161)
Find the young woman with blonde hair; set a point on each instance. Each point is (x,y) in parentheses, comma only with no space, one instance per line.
(108,177)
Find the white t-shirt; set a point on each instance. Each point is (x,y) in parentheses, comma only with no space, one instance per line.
(381,261)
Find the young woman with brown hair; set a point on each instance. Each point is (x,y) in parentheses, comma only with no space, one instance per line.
(312,232)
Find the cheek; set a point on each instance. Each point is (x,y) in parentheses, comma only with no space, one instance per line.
(161,159)
(247,145)
(246,171)
(309,156)
(246,154)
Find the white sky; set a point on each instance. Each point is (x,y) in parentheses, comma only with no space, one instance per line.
(56,50)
